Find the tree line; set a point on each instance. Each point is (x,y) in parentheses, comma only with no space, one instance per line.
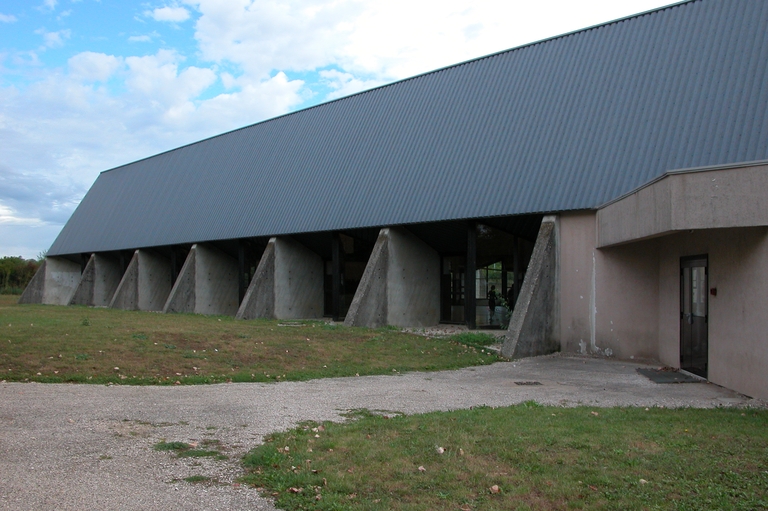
(15,273)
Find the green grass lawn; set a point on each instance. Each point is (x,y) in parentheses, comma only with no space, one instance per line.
(525,457)
(79,344)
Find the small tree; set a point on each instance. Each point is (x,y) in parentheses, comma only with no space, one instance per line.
(15,273)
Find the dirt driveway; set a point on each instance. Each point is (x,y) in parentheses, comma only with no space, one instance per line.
(91,447)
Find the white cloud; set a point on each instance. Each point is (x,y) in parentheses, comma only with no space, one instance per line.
(344,84)
(47,6)
(90,66)
(171,14)
(140,38)
(54,39)
(274,34)
(157,79)
(7,18)
(10,217)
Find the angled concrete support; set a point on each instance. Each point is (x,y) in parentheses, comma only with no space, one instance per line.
(288,283)
(182,295)
(207,283)
(54,283)
(401,283)
(145,284)
(259,300)
(99,282)
(534,327)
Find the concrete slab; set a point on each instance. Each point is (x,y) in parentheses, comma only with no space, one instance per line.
(54,283)
(98,282)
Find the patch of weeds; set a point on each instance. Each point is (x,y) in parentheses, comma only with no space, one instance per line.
(170,346)
(185,450)
(199,453)
(474,339)
(82,356)
(141,337)
(197,479)
(172,446)
(85,322)
(105,457)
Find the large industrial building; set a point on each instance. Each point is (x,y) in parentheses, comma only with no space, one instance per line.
(610,183)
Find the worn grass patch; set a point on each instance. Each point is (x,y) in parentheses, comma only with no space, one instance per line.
(56,344)
(523,458)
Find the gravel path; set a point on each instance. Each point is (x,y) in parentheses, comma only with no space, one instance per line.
(68,447)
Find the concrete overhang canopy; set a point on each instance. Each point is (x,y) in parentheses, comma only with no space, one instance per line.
(704,198)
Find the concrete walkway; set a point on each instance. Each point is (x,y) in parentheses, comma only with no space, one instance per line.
(70,447)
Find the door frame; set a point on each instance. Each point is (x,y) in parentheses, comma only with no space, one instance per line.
(694,262)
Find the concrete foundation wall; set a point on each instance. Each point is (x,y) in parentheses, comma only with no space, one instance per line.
(216,289)
(54,283)
(400,285)
(298,281)
(98,282)
(259,299)
(534,327)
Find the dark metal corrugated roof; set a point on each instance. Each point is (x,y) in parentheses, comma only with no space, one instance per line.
(567,123)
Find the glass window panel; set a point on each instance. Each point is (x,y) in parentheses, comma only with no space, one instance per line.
(699,291)
(686,291)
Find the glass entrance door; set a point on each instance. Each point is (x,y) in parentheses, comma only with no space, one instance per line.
(694,315)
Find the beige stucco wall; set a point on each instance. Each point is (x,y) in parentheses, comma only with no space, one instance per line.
(608,298)
(738,323)
(625,300)
(706,199)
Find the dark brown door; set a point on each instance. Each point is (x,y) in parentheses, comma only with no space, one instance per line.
(694,315)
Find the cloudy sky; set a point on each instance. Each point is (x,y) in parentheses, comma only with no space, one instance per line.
(87,85)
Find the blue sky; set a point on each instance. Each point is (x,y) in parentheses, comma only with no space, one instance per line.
(88,85)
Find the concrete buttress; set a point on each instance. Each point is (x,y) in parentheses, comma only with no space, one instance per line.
(534,328)
(54,283)
(207,283)
(98,283)
(288,283)
(146,283)
(400,285)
